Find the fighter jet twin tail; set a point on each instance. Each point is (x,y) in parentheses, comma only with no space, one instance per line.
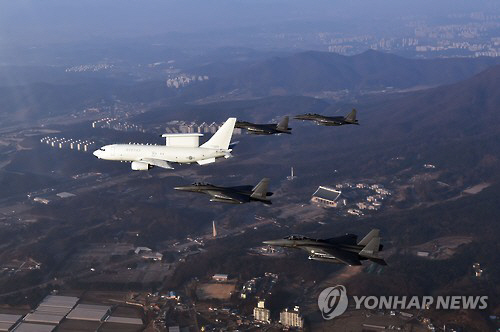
(343,249)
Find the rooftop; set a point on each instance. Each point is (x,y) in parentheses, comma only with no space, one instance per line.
(327,193)
(48,318)
(60,301)
(25,327)
(89,312)
(125,320)
(5,326)
(8,318)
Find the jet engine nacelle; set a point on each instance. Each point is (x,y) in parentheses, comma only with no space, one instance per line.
(138,166)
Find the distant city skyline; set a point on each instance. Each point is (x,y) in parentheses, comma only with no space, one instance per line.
(54,21)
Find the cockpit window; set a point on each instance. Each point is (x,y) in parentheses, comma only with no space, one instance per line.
(295,237)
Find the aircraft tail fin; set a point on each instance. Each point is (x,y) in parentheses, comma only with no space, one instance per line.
(260,190)
(372,234)
(283,124)
(351,117)
(222,138)
(371,250)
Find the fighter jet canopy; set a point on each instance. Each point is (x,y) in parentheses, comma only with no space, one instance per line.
(296,237)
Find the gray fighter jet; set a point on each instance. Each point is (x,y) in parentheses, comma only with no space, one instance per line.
(330,120)
(343,249)
(233,195)
(265,129)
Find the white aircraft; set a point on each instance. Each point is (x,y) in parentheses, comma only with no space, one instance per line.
(179,148)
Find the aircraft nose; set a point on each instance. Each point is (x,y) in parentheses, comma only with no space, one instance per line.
(273,242)
(181,188)
(96,153)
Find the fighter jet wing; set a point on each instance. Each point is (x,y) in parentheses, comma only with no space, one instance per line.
(345,257)
(157,163)
(228,196)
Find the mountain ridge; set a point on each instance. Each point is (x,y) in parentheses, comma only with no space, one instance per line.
(314,71)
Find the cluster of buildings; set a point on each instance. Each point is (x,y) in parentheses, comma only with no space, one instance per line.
(69,143)
(346,195)
(114,123)
(471,35)
(260,288)
(91,68)
(18,266)
(289,318)
(175,127)
(56,311)
(184,80)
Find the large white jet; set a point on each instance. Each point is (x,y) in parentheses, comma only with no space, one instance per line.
(179,148)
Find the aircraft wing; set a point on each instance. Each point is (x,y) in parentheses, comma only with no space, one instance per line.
(229,196)
(345,257)
(157,163)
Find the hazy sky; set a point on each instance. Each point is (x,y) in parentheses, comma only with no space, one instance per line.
(47,21)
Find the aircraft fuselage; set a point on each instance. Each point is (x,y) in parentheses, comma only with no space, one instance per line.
(137,152)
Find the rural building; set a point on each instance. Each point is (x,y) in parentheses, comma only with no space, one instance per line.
(220,277)
(325,196)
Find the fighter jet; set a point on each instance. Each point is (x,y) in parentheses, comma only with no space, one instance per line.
(266,129)
(330,120)
(179,148)
(233,195)
(341,250)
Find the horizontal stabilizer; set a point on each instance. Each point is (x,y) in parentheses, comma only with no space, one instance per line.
(233,144)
